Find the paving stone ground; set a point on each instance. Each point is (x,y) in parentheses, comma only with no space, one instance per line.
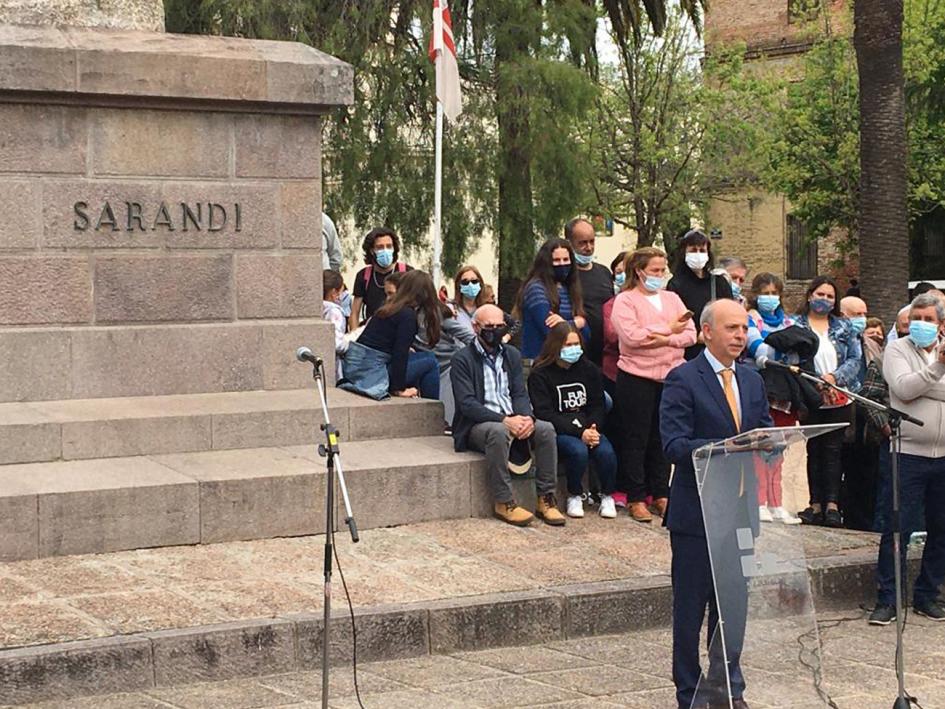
(78,597)
(629,670)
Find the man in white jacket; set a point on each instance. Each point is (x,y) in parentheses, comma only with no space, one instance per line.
(914,368)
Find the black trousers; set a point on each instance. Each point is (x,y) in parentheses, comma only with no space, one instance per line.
(860,464)
(824,469)
(643,466)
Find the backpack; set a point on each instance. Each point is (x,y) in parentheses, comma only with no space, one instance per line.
(400,267)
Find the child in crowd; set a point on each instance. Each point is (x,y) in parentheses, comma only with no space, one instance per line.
(765,316)
(566,390)
(332,287)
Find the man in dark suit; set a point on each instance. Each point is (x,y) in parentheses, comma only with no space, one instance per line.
(705,400)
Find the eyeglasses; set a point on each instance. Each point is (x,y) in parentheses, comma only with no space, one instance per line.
(491,326)
(469,282)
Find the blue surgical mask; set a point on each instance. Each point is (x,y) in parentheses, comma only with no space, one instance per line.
(821,306)
(619,280)
(769,303)
(562,272)
(652,283)
(384,257)
(470,290)
(858,323)
(571,353)
(923,333)
(736,290)
(582,259)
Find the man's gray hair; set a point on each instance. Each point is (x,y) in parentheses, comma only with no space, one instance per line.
(927,300)
(707,317)
(733,261)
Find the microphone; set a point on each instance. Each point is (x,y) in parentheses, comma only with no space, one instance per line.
(765,362)
(304,354)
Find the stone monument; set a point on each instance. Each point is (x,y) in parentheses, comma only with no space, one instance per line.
(145,15)
(160,251)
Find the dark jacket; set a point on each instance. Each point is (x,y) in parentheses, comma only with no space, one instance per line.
(696,293)
(469,391)
(571,399)
(694,413)
(784,386)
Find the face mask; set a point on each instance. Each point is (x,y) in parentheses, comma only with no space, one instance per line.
(562,272)
(923,333)
(858,323)
(697,260)
(384,257)
(736,290)
(470,290)
(571,353)
(620,279)
(821,306)
(768,303)
(492,338)
(582,259)
(652,283)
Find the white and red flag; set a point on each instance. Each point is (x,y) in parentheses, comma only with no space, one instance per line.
(443,56)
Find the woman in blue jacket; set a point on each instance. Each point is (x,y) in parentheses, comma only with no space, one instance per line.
(551,294)
(837,361)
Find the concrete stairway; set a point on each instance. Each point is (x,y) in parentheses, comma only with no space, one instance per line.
(97,475)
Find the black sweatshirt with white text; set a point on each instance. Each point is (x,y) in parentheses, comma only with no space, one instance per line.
(571,399)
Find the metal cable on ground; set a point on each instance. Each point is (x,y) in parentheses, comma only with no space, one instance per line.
(354,629)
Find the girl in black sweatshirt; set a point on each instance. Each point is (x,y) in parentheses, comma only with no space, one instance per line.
(567,390)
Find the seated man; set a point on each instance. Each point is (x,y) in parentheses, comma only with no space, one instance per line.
(492,409)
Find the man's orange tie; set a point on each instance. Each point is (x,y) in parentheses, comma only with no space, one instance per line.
(733,406)
(730,397)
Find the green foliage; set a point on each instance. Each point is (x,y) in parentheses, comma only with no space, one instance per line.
(670,128)
(807,144)
(528,69)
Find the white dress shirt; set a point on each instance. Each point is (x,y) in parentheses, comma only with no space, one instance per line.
(717,367)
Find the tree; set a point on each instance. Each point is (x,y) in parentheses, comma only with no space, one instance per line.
(669,129)
(883,208)
(528,69)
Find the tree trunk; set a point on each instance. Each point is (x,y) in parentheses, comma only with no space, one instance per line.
(516,227)
(884,216)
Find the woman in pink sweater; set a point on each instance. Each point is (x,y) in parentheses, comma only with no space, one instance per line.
(654,328)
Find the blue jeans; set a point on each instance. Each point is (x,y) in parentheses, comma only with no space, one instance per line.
(922,484)
(575,455)
(423,372)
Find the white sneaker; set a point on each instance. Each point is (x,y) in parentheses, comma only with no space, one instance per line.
(607,507)
(575,506)
(782,515)
(764,515)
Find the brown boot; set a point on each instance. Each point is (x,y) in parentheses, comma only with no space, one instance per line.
(659,506)
(513,514)
(639,512)
(547,509)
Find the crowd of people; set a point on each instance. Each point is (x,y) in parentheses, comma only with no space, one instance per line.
(582,391)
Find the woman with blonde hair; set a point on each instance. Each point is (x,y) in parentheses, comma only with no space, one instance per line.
(654,328)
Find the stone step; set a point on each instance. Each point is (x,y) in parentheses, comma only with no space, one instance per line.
(50,363)
(82,429)
(103,505)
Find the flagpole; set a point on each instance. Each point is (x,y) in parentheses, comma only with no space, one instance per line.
(438,198)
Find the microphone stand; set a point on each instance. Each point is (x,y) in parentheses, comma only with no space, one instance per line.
(330,451)
(896,417)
